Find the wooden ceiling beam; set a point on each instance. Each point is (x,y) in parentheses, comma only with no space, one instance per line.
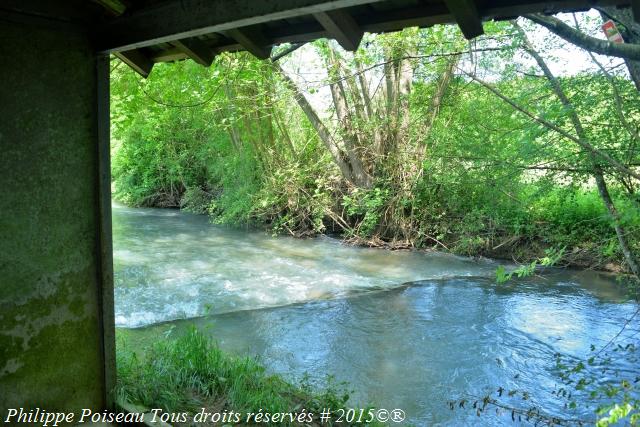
(410,17)
(422,16)
(137,60)
(342,27)
(170,20)
(115,7)
(196,49)
(168,55)
(466,15)
(252,40)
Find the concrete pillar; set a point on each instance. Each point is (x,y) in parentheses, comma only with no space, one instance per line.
(55,240)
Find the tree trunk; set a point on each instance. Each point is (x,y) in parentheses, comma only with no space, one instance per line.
(347,129)
(373,120)
(620,232)
(324,134)
(236,140)
(405,82)
(597,172)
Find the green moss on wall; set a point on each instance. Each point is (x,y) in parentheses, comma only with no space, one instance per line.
(50,336)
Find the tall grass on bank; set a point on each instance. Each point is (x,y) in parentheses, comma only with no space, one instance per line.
(191,372)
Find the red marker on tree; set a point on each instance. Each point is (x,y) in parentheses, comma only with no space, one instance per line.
(612,33)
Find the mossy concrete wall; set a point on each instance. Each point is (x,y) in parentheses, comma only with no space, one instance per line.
(51,333)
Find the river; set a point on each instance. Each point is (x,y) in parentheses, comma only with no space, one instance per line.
(405,329)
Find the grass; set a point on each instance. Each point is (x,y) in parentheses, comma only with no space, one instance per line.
(190,372)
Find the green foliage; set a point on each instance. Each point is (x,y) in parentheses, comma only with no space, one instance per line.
(478,179)
(293,202)
(161,151)
(598,378)
(552,257)
(617,413)
(573,216)
(189,372)
(195,200)
(367,206)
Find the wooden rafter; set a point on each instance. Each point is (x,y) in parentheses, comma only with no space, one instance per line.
(177,19)
(465,12)
(179,22)
(342,27)
(252,40)
(168,55)
(137,60)
(115,7)
(196,50)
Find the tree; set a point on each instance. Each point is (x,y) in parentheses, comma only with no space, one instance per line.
(368,127)
(597,161)
(629,51)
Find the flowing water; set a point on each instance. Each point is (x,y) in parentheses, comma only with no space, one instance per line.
(409,330)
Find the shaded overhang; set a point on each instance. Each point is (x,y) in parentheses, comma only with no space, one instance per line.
(144,32)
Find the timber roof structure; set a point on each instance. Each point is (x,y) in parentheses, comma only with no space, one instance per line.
(144,32)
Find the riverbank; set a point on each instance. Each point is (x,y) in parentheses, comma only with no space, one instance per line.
(510,248)
(188,380)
